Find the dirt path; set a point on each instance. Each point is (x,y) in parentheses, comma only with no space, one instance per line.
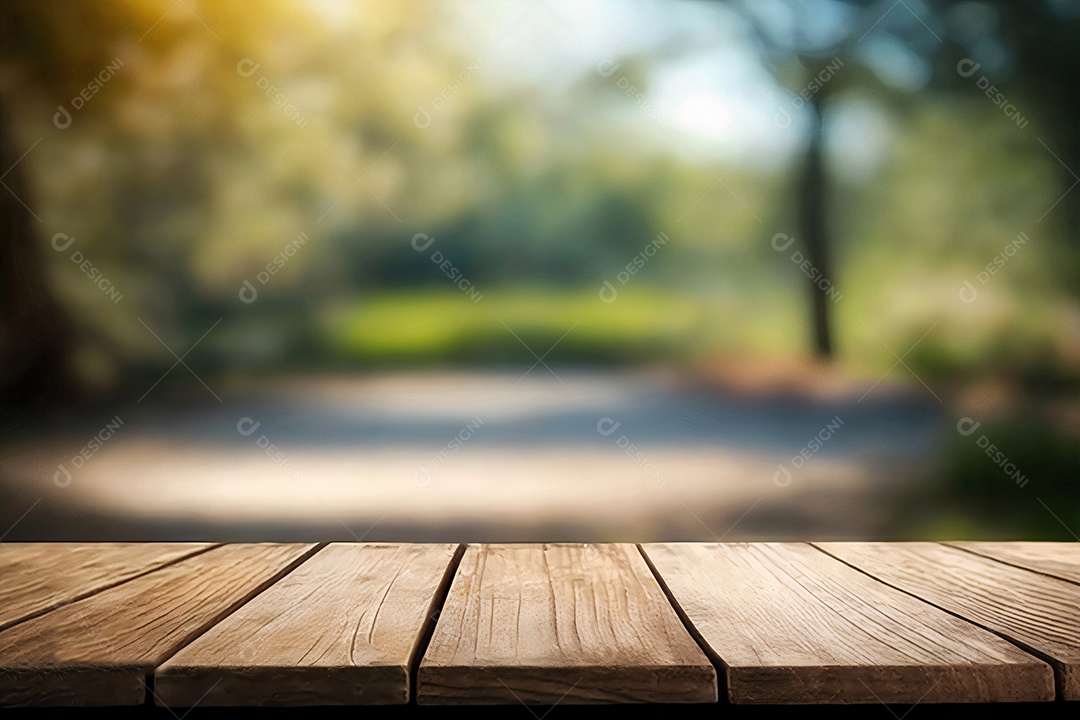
(477,455)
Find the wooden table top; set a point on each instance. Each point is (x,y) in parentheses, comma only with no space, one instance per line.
(205,624)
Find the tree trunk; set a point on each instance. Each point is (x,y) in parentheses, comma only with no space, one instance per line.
(811,211)
(35,334)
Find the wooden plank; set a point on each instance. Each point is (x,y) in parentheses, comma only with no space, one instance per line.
(793,625)
(97,651)
(38,577)
(342,629)
(1039,613)
(562,623)
(1060,559)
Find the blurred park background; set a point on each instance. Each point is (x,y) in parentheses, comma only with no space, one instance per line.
(540,270)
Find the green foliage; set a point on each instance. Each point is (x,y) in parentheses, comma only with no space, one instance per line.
(431,326)
(982,494)
(184,179)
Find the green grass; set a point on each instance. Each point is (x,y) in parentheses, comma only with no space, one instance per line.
(445,325)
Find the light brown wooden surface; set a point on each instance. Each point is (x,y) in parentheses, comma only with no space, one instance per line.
(1060,559)
(1040,613)
(544,624)
(37,577)
(561,623)
(97,651)
(793,625)
(342,629)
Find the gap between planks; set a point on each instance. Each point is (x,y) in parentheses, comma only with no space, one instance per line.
(560,623)
(441,595)
(342,629)
(259,589)
(61,597)
(718,664)
(148,681)
(437,604)
(1018,554)
(789,624)
(99,650)
(1060,652)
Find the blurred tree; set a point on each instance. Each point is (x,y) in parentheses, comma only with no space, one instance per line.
(1028,50)
(50,52)
(53,48)
(187,178)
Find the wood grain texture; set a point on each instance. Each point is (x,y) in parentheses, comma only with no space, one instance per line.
(564,623)
(1039,613)
(1060,559)
(37,577)
(793,625)
(342,629)
(97,651)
